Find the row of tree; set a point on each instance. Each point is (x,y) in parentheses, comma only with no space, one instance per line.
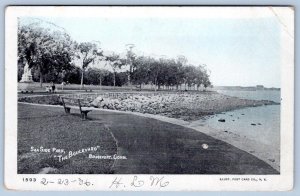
(54,56)
(169,72)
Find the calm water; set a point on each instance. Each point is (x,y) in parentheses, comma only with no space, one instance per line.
(271,95)
(265,119)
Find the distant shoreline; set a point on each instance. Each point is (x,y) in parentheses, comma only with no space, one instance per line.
(245,88)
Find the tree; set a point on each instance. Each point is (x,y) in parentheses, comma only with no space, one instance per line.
(155,71)
(173,73)
(44,46)
(142,71)
(73,76)
(206,81)
(130,57)
(163,72)
(202,76)
(115,63)
(101,74)
(20,69)
(179,70)
(84,54)
(199,76)
(122,79)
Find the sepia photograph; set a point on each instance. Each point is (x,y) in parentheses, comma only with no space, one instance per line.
(112,90)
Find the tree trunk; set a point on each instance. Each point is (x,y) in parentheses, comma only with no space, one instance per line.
(41,79)
(129,82)
(100,81)
(114,79)
(41,76)
(81,83)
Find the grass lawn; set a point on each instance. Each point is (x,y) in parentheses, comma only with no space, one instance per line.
(51,128)
(150,146)
(35,86)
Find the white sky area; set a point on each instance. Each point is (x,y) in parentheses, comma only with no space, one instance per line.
(237,51)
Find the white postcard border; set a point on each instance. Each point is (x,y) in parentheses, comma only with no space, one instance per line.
(281,182)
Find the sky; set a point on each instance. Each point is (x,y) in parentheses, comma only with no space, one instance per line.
(238,52)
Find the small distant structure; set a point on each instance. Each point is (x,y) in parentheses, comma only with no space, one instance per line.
(260,87)
(27,76)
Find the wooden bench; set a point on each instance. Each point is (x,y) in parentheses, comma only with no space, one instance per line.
(67,102)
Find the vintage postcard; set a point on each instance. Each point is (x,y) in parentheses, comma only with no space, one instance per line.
(149,98)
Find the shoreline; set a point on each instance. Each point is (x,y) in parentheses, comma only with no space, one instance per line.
(187,106)
(244,159)
(266,151)
(186,114)
(250,146)
(246,144)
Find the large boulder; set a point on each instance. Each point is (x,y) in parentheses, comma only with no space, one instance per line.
(97,102)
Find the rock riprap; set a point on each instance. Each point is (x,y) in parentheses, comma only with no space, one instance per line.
(188,106)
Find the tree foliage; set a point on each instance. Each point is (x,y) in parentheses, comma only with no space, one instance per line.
(54,56)
(84,54)
(169,73)
(46,49)
(115,63)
